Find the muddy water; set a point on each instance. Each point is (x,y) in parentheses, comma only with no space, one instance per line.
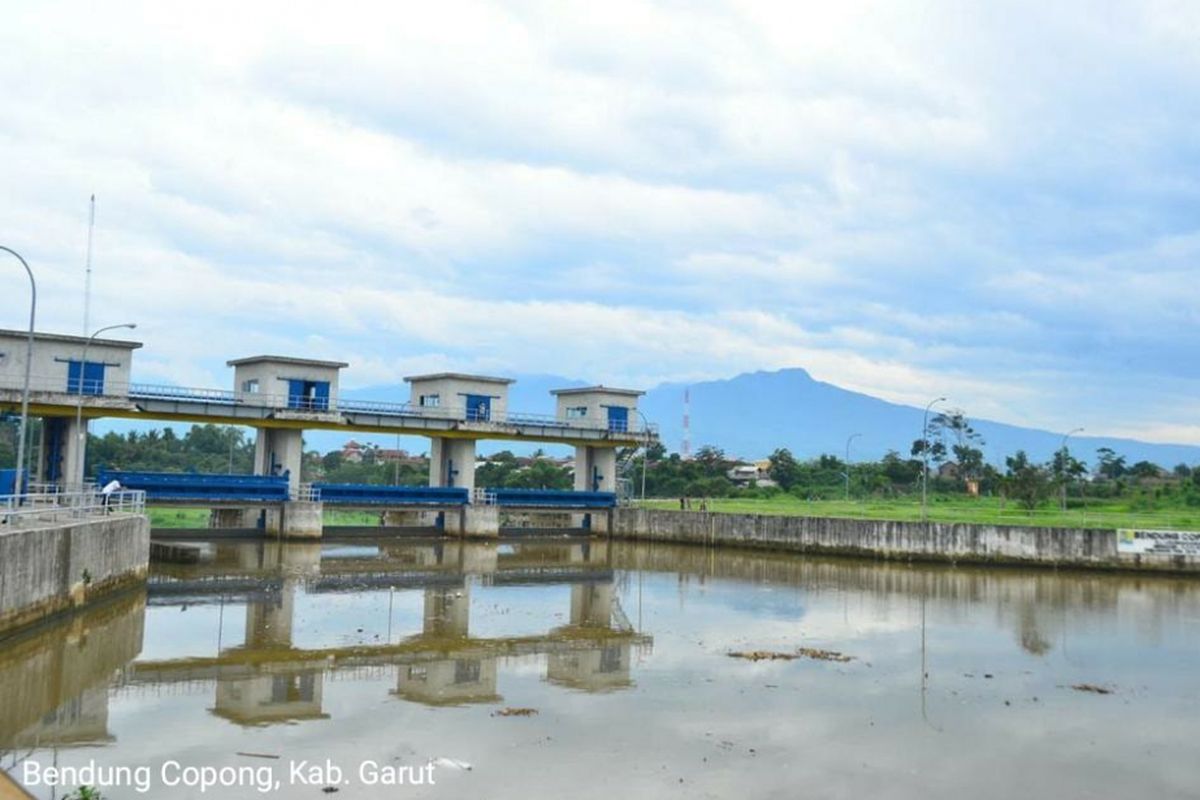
(574,669)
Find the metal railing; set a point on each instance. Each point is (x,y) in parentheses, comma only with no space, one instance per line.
(306,493)
(118,390)
(153,391)
(39,508)
(483,497)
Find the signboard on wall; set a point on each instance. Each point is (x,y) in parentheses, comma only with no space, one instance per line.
(1164,543)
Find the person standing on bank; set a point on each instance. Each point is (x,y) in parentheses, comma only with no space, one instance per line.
(107,492)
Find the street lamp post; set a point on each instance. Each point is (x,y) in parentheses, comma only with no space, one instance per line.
(851,438)
(925,458)
(645,450)
(18,482)
(80,433)
(1064,455)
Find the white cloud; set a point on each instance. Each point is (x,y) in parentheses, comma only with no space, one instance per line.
(905,199)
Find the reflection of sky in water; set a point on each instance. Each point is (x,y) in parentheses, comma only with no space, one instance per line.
(726,727)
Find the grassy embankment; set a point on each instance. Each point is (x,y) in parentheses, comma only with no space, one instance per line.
(986,510)
(1098,514)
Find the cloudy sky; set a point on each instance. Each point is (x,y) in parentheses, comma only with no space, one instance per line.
(998,202)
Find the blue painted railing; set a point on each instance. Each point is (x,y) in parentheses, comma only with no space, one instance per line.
(192,486)
(177,486)
(370,494)
(552,498)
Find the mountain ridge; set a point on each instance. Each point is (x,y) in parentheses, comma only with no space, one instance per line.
(820,416)
(753,413)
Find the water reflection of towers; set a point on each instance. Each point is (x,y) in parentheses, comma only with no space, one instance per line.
(266,679)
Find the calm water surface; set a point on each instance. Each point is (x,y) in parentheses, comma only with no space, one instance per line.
(399,652)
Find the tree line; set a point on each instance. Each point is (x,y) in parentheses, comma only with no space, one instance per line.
(952,447)
(951,450)
(227,449)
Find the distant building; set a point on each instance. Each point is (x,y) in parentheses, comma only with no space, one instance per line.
(405,458)
(949,470)
(753,473)
(353,452)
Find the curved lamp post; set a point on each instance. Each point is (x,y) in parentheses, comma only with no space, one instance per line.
(645,449)
(18,482)
(80,433)
(851,438)
(925,457)
(1065,454)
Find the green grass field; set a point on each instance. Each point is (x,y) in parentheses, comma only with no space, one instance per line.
(1097,514)
(178,517)
(198,517)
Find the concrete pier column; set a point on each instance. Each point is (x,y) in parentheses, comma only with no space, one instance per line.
(591,604)
(447,611)
(229,518)
(478,558)
(473,520)
(600,521)
(595,469)
(61,452)
(269,621)
(74,452)
(301,519)
(405,519)
(278,451)
(452,462)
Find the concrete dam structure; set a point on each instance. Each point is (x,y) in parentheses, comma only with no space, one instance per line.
(74,380)
(54,567)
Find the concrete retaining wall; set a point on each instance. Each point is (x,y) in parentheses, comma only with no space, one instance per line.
(52,568)
(913,541)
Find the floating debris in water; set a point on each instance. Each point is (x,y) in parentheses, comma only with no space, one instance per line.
(763,655)
(515,712)
(803,652)
(824,655)
(1091,687)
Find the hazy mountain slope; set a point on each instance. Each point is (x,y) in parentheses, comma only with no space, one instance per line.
(752,414)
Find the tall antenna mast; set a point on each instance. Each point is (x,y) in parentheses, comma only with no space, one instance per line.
(686,449)
(87,280)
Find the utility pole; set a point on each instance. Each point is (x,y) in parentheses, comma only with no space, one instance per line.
(645,450)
